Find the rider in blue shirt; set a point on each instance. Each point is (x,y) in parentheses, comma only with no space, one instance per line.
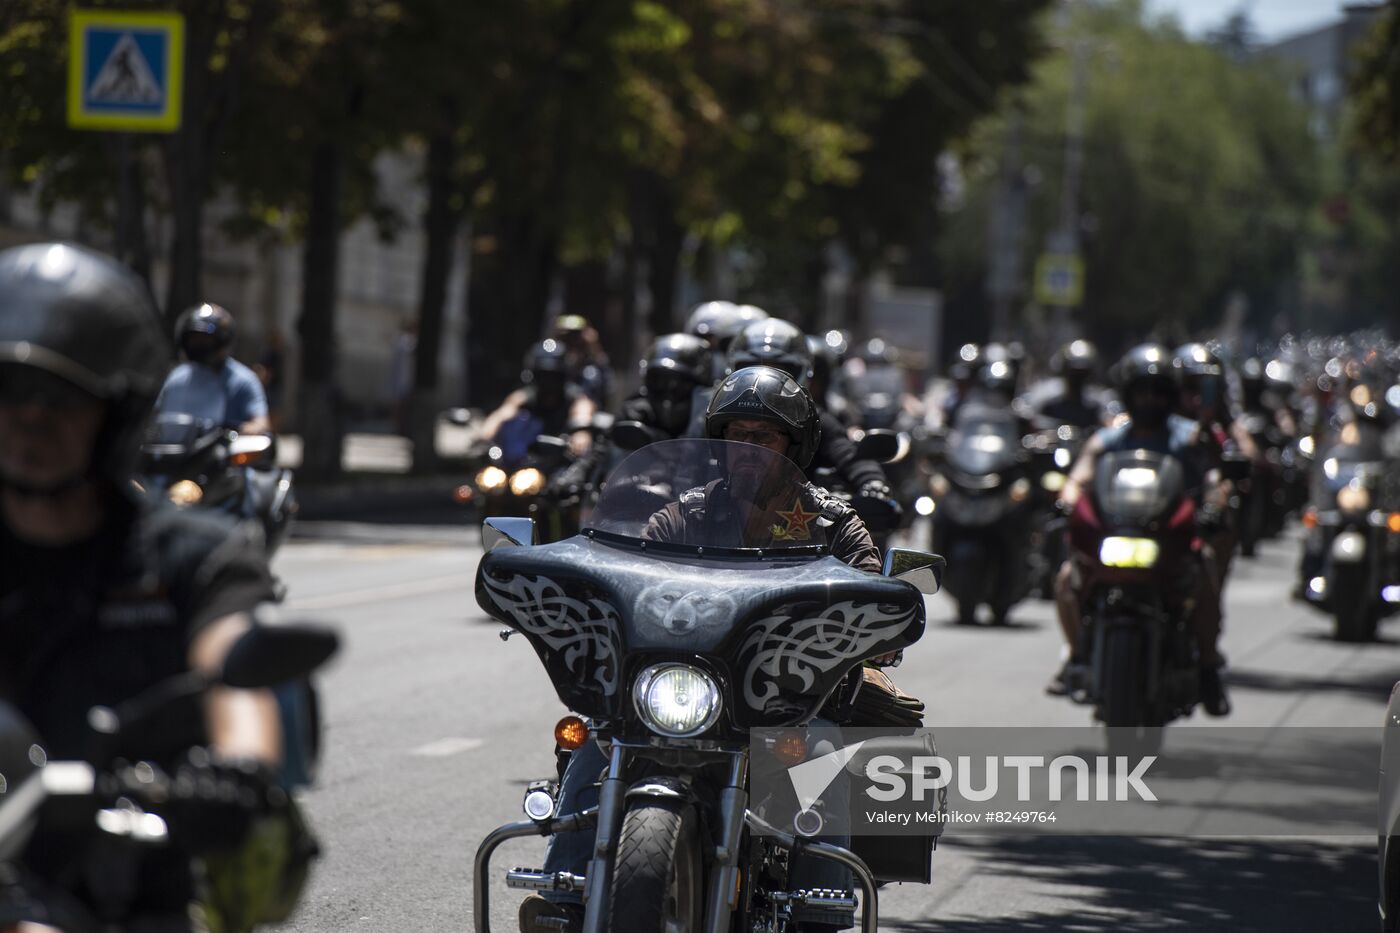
(210,384)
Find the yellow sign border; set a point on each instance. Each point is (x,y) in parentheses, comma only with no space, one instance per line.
(168,120)
(1075,295)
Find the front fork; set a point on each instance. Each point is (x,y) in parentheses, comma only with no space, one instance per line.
(723,889)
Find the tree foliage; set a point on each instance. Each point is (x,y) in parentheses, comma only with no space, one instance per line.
(1199,177)
(1375,89)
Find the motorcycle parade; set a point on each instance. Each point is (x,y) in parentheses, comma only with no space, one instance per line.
(699,468)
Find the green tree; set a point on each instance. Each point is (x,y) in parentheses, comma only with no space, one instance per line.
(1199,178)
(1375,89)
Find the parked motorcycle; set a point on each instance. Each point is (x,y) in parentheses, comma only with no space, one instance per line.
(192,461)
(1351,552)
(983,497)
(671,647)
(1130,537)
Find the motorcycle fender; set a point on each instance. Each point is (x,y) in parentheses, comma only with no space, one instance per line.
(1349,547)
(662,787)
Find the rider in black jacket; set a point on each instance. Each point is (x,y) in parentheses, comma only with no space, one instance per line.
(104,593)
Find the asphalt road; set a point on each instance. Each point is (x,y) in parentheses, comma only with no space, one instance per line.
(435,725)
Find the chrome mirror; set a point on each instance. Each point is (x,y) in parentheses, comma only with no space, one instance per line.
(923,570)
(507,532)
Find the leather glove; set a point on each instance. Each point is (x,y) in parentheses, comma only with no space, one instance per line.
(877,507)
(213,804)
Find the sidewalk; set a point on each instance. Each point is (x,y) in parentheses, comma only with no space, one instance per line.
(376,484)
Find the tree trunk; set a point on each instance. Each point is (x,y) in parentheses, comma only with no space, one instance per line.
(440,225)
(318,413)
(668,238)
(512,264)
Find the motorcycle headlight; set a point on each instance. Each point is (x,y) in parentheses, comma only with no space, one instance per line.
(1129,552)
(527,482)
(676,700)
(1353,498)
(1053,481)
(491,478)
(185,492)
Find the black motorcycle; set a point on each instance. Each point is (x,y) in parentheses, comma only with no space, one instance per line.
(1351,552)
(191,461)
(1131,536)
(92,823)
(673,635)
(983,507)
(1053,451)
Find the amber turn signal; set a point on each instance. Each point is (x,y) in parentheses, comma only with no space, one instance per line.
(790,748)
(570,733)
(1393,522)
(463,494)
(1310,518)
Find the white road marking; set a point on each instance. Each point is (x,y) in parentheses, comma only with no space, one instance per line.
(444,748)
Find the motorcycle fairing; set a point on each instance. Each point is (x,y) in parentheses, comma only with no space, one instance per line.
(784,631)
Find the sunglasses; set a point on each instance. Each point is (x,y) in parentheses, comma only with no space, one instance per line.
(26,385)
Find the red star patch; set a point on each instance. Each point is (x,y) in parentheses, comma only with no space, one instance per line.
(797,522)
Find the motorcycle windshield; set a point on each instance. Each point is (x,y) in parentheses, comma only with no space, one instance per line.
(983,448)
(710,496)
(1136,486)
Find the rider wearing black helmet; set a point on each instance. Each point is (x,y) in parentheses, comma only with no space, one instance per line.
(210,383)
(104,593)
(962,381)
(718,323)
(781,345)
(675,376)
(588,365)
(1147,382)
(546,403)
(1075,364)
(759,406)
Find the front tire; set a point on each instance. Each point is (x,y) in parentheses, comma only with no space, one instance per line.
(1355,617)
(659,876)
(1122,705)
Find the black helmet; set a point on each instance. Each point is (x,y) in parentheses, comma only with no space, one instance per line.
(998,376)
(772,343)
(1077,356)
(825,359)
(81,316)
(1148,361)
(839,343)
(1281,376)
(1196,360)
(767,394)
(547,356)
(204,333)
(674,367)
(713,319)
(967,364)
(683,355)
(1148,365)
(876,352)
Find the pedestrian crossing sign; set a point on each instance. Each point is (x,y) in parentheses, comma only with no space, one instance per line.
(125,70)
(1059,279)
